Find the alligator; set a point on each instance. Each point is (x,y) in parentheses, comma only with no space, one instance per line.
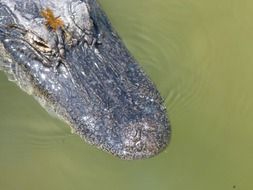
(69,57)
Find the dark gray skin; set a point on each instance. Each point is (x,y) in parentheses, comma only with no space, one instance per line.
(83,73)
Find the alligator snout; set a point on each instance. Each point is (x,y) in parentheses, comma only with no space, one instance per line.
(143,140)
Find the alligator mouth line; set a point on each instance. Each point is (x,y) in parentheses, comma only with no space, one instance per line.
(67,55)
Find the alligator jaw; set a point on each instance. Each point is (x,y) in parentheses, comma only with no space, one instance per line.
(81,70)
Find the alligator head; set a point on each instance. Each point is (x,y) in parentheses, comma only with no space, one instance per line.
(66,54)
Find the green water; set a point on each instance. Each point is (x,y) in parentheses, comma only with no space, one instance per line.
(199,53)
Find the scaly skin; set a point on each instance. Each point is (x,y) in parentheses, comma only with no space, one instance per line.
(81,70)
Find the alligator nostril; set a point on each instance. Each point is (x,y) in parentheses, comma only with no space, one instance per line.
(137,135)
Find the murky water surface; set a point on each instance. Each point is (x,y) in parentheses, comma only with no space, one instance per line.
(199,53)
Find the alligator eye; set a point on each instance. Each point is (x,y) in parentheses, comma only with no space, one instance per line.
(42,46)
(38,43)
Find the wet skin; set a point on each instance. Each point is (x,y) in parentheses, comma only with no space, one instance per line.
(80,69)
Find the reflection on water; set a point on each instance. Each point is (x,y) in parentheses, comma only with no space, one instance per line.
(199,53)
